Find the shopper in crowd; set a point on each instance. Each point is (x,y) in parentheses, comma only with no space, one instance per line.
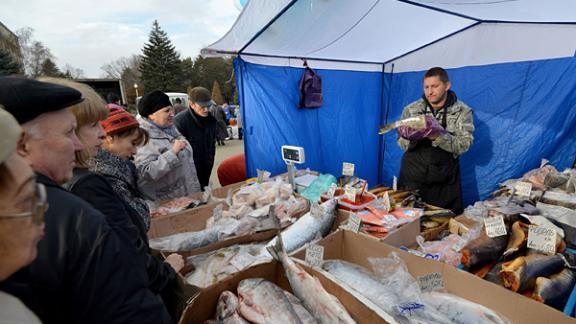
(431,164)
(232,170)
(87,269)
(113,100)
(221,130)
(178,106)
(108,182)
(22,207)
(199,128)
(166,167)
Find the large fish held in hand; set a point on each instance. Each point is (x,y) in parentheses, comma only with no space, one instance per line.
(322,305)
(316,223)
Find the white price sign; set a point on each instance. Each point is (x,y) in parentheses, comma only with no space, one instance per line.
(350,193)
(542,238)
(332,190)
(459,245)
(347,169)
(386,201)
(495,226)
(315,255)
(430,282)
(395,184)
(354,222)
(523,188)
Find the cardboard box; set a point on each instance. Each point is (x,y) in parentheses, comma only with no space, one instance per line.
(187,220)
(351,247)
(203,306)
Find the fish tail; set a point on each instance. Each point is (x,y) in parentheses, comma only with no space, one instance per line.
(278,247)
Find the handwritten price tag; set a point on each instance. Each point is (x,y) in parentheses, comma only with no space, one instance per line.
(347,169)
(350,193)
(495,226)
(332,190)
(395,184)
(430,282)
(523,188)
(386,201)
(354,222)
(315,255)
(542,238)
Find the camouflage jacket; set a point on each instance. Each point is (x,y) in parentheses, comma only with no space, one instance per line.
(459,124)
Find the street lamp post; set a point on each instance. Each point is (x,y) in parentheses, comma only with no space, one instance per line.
(136,88)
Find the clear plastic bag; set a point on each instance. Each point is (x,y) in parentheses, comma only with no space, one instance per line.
(433,129)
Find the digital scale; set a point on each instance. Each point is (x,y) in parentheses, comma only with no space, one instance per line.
(291,155)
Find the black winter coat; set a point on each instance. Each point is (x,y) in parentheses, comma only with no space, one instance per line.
(95,189)
(87,269)
(201,133)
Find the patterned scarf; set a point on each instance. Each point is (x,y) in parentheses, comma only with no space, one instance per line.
(121,174)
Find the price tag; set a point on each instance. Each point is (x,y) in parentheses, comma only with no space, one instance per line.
(459,245)
(350,193)
(354,222)
(332,190)
(430,282)
(395,184)
(315,255)
(495,226)
(542,238)
(260,178)
(523,188)
(347,169)
(386,201)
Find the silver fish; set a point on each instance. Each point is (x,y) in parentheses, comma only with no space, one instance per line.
(186,241)
(322,305)
(262,301)
(227,309)
(302,312)
(317,222)
(417,122)
(460,310)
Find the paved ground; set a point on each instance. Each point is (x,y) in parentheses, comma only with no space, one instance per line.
(232,147)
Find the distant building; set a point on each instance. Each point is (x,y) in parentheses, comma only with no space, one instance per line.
(9,43)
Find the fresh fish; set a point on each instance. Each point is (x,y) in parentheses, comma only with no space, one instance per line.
(460,310)
(483,249)
(227,309)
(521,273)
(317,222)
(302,312)
(518,238)
(554,291)
(418,122)
(262,301)
(185,241)
(323,306)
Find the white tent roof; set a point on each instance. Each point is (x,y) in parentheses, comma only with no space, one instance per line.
(413,35)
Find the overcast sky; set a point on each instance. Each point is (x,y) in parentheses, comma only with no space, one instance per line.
(87,34)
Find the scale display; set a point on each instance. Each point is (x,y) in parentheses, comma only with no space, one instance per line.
(293,154)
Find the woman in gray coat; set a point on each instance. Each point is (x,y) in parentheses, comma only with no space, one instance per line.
(165,164)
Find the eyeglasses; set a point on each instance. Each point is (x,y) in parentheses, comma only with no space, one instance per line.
(39,207)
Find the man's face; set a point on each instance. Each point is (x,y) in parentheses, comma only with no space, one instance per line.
(200,110)
(49,144)
(435,90)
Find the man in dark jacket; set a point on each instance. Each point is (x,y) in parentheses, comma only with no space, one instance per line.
(199,128)
(87,270)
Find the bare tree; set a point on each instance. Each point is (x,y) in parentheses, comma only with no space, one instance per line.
(116,68)
(71,72)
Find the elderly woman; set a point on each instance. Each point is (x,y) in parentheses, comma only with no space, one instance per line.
(165,164)
(22,206)
(95,187)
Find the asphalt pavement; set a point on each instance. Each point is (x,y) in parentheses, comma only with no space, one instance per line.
(232,147)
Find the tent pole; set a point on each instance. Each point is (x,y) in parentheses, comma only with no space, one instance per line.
(380,138)
(384,118)
(243,112)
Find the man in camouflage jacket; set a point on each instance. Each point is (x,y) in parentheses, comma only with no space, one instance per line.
(431,164)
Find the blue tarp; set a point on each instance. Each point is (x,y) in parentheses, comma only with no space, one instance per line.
(523,112)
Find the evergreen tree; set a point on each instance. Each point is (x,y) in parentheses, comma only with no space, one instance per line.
(217,94)
(8,65)
(49,68)
(160,67)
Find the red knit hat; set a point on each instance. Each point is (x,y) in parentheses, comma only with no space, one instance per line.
(119,120)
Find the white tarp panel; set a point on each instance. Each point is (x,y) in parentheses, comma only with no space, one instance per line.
(509,10)
(491,44)
(256,14)
(366,31)
(315,64)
